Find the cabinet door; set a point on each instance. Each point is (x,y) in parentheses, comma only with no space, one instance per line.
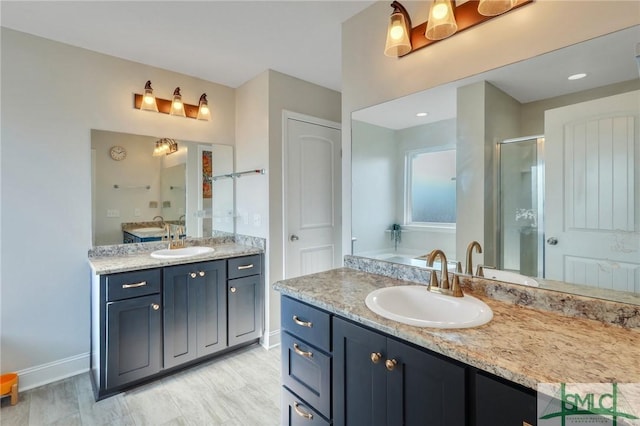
(179,316)
(245,309)
(359,384)
(501,403)
(195,311)
(209,297)
(133,339)
(423,389)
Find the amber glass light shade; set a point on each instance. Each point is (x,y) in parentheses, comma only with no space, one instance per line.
(204,113)
(442,22)
(148,99)
(398,33)
(495,7)
(177,107)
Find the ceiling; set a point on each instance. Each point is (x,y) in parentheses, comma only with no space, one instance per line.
(226,42)
(606,60)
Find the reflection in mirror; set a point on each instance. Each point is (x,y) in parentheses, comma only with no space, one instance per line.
(564,206)
(135,194)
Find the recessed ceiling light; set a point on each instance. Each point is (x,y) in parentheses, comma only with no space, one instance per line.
(422,114)
(577,76)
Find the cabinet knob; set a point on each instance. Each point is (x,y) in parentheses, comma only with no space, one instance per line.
(232,289)
(390,364)
(376,357)
(155,306)
(296,407)
(201,273)
(193,275)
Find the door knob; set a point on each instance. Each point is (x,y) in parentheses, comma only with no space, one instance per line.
(390,364)
(294,237)
(376,357)
(552,241)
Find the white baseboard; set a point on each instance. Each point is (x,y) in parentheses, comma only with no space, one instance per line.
(41,375)
(271,340)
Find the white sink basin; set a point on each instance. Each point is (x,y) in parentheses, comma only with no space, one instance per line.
(415,305)
(181,252)
(148,230)
(510,277)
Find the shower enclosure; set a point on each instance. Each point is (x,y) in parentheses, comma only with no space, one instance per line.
(520,206)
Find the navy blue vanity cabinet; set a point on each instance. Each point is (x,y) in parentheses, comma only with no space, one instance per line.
(499,402)
(195,311)
(127,331)
(306,364)
(378,380)
(244,299)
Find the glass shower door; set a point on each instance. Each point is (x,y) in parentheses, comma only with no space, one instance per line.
(521,170)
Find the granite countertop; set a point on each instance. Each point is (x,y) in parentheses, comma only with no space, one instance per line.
(521,344)
(130,260)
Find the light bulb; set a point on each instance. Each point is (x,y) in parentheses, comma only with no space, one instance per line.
(397,32)
(177,104)
(148,99)
(439,11)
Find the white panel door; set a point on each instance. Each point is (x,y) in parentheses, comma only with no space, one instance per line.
(312,197)
(592,193)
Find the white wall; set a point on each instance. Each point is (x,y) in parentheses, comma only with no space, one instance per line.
(52,96)
(370,78)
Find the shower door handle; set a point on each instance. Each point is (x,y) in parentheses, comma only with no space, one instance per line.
(552,241)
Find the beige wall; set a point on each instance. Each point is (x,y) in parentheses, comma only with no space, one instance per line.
(370,78)
(260,105)
(52,96)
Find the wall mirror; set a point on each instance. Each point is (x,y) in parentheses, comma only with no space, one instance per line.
(133,187)
(543,170)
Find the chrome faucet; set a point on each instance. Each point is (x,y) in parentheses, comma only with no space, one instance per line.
(159,217)
(443,286)
(470,247)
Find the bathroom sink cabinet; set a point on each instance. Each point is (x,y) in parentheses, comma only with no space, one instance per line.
(377,379)
(194,311)
(148,323)
(381,381)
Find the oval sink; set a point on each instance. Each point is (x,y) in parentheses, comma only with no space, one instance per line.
(181,252)
(415,305)
(149,229)
(510,277)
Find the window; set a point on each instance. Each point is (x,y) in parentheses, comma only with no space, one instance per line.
(430,190)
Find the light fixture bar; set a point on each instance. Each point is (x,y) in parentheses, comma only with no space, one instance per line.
(164,106)
(467,16)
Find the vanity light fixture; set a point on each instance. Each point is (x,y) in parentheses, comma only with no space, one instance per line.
(177,107)
(445,19)
(204,113)
(165,146)
(442,22)
(398,32)
(148,102)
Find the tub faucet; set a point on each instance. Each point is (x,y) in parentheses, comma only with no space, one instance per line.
(470,247)
(443,286)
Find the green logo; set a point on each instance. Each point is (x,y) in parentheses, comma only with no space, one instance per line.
(583,402)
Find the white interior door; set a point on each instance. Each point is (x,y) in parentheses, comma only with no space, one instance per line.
(592,201)
(312,196)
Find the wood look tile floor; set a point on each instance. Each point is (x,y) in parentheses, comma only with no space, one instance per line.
(239,388)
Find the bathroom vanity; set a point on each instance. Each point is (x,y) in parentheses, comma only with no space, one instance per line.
(150,317)
(343,364)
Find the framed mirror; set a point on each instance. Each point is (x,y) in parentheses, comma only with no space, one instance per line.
(546,171)
(137,190)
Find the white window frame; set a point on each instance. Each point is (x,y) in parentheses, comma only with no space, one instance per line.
(408,156)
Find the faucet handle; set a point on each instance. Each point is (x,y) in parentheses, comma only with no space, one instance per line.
(456,290)
(479,271)
(459,267)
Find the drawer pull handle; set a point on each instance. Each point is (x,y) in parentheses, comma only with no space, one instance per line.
(249,266)
(155,306)
(302,323)
(301,413)
(390,364)
(300,352)
(376,357)
(135,285)
(526,423)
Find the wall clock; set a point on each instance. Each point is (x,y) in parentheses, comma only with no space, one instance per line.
(118,153)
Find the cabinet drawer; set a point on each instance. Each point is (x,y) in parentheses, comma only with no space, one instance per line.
(306,322)
(296,412)
(306,371)
(244,266)
(132,284)
(498,402)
